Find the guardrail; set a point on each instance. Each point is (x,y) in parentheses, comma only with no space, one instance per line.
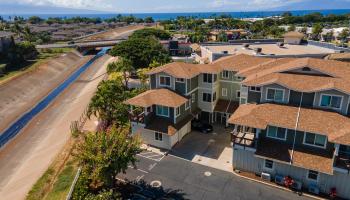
(71,189)
(328,45)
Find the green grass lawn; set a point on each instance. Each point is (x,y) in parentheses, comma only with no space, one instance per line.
(63,183)
(31,65)
(52,186)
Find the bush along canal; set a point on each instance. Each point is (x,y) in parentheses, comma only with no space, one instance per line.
(17,126)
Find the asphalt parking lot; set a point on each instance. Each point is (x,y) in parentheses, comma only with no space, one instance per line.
(194,181)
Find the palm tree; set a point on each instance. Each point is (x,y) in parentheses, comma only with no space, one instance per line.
(107,103)
(122,65)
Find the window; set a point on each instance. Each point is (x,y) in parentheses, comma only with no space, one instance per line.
(254,89)
(224,92)
(162,111)
(277,133)
(214,96)
(180,80)
(215,77)
(187,104)
(158,136)
(193,97)
(268,164)
(345,150)
(206,97)
(238,93)
(330,101)
(164,80)
(275,95)
(225,74)
(207,78)
(315,140)
(312,175)
(178,110)
(149,109)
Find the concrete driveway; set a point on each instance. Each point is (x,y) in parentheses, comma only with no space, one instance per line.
(213,149)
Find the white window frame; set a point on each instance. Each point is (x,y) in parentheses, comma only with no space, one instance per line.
(180,80)
(273,164)
(224,73)
(187,104)
(156,135)
(193,97)
(277,138)
(332,95)
(310,179)
(177,111)
(162,114)
(160,84)
(313,145)
(254,89)
(224,92)
(267,91)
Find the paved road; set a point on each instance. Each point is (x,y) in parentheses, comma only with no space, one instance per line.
(198,182)
(24,159)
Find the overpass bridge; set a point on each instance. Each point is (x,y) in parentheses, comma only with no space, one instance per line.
(82,45)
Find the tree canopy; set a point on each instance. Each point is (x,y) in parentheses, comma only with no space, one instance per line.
(102,156)
(141,51)
(151,32)
(107,103)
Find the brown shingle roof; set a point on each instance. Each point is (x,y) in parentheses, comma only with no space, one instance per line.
(162,96)
(165,126)
(185,70)
(331,124)
(239,62)
(320,160)
(301,83)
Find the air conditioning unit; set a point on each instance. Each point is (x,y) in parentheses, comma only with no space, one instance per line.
(313,189)
(279,179)
(265,176)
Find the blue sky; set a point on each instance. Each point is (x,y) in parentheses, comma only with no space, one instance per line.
(137,6)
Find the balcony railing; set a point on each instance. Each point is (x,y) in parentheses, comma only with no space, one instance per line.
(244,139)
(139,118)
(342,161)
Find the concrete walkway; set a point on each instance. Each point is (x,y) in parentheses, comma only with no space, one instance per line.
(28,156)
(213,150)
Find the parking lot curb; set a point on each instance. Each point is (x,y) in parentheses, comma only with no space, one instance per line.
(276,186)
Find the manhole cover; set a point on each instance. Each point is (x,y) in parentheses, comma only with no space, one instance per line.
(207,173)
(156,184)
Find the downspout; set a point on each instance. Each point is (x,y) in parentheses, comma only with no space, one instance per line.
(295,128)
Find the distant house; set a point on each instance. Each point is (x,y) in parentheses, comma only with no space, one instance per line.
(6,39)
(293,37)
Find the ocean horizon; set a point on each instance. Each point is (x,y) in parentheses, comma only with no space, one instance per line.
(167,16)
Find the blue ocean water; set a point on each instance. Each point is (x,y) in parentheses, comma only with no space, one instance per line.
(165,16)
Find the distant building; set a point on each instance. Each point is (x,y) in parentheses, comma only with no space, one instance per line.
(262,48)
(6,39)
(293,37)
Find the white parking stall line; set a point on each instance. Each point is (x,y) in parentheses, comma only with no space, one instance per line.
(141,170)
(145,153)
(151,166)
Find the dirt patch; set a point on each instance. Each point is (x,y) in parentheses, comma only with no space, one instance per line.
(21,93)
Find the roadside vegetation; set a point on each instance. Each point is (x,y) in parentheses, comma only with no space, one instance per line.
(19,62)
